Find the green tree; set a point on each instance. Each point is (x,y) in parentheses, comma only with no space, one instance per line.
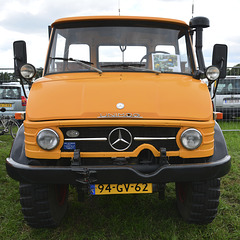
(6,77)
(234,70)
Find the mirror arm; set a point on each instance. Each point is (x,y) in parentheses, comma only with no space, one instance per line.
(21,81)
(215,90)
(221,66)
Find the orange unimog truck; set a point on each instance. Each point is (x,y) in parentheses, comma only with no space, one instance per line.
(121,108)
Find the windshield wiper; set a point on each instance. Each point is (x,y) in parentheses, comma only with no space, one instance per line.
(80,62)
(126,65)
(134,66)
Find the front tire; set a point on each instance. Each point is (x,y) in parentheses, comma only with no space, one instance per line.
(43,206)
(198,201)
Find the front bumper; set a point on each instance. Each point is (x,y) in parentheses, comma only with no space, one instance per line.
(118,174)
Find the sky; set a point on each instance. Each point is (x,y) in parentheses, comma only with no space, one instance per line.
(29,19)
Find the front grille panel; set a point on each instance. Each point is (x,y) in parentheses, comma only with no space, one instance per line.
(96,139)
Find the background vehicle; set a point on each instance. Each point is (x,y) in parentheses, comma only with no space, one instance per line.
(120,109)
(228,97)
(12,98)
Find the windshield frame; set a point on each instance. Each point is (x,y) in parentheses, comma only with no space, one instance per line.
(124,23)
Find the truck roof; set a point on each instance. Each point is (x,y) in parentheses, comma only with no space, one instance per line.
(130,18)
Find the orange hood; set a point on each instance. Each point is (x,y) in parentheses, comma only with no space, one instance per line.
(144,95)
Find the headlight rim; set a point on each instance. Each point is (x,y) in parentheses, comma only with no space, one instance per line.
(186,131)
(56,135)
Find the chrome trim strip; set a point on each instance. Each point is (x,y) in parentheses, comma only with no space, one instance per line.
(136,139)
(153,138)
(85,139)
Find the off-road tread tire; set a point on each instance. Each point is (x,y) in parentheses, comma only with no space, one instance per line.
(37,206)
(203,200)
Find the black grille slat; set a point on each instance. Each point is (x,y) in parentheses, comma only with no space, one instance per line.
(103,132)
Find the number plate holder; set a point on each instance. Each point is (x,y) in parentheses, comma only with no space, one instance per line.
(125,188)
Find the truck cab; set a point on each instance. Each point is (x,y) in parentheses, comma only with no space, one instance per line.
(120,108)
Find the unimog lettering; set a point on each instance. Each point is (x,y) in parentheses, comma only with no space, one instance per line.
(120,115)
(121,108)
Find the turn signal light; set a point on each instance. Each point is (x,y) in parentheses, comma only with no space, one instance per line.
(217,115)
(20,115)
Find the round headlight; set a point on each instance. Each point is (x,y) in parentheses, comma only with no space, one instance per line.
(191,138)
(212,73)
(28,71)
(47,139)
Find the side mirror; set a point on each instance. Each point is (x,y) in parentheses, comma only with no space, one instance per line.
(219,58)
(20,56)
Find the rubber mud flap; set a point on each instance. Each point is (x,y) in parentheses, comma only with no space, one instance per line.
(220,147)
(18,148)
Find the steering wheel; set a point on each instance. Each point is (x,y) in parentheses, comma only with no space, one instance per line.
(146,56)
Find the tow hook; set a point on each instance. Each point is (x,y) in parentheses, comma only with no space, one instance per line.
(163,156)
(76,161)
(85,176)
(85,173)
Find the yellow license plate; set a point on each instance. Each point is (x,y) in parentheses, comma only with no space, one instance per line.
(5,105)
(125,188)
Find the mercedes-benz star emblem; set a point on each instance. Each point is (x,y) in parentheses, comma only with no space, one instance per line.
(120,105)
(120,139)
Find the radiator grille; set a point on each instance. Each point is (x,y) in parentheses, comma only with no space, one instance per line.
(97,139)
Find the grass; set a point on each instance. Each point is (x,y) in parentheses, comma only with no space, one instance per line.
(127,216)
(230,125)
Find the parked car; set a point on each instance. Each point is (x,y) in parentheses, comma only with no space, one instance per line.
(12,98)
(228,97)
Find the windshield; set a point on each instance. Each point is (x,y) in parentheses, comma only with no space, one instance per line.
(119,48)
